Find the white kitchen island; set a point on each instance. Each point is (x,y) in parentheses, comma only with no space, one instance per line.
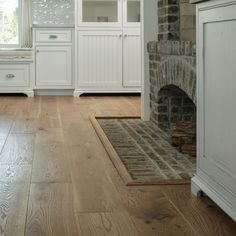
(216,160)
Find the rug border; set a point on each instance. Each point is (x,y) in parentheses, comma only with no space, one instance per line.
(114,157)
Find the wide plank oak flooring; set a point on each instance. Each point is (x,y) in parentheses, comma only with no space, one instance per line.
(56,178)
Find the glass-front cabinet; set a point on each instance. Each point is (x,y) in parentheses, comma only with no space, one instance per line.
(108,12)
(131,12)
(100,12)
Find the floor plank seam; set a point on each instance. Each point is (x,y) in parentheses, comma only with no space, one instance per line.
(181,214)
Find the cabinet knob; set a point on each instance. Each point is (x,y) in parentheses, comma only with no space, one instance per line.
(126,35)
(37,51)
(10,76)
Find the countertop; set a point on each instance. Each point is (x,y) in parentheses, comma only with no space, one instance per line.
(52,26)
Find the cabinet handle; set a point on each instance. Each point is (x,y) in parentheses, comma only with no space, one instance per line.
(53,36)
(10,76)
(126,35)
(120,36)
(37,51)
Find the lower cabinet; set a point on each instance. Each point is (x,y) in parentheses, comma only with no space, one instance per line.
(16,77)
(100,59)
(216,168)
(109,61)
(132,58)
(53,66)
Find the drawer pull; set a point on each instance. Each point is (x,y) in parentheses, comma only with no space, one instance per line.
(10,76)
(53,36)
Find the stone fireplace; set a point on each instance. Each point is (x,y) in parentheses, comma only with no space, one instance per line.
(173,70)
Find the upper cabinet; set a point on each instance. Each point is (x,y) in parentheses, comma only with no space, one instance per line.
(99,12)
(108,13)
(131,13)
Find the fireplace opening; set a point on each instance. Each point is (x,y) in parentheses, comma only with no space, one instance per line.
(177,117)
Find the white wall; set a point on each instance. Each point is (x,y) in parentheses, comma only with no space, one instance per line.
(150,31)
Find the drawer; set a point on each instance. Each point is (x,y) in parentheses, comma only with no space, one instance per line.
(58,36)
(14,75)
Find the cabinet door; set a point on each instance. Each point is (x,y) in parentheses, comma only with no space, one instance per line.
(100,59)
(217,96)
(53,66)
(100,13)
(132,58)
(131,13)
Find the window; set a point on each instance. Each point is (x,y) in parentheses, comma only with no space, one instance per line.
(9,23)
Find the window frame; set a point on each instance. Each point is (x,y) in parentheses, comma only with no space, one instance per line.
(20,19)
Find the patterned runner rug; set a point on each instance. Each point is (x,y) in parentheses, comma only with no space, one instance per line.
(142,153)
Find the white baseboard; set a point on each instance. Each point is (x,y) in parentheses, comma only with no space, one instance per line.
(78,92)
(29,93)
(54,92)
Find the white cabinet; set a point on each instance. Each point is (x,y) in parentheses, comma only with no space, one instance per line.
(16,77)
(132,58)
(100,13)
(109,61)
(100,59)
(53,36)
(53,66)
(216,168)
(53,60)
(108,46)
(131,13)
(108,13)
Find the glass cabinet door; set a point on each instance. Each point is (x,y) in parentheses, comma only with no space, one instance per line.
(100,12)
(132,12)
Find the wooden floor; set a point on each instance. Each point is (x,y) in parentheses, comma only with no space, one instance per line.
(56,178)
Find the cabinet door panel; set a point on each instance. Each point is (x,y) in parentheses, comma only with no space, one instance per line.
(132,59)
(53,66)
(217,96)
(99,13)
(100,59)
(131,13)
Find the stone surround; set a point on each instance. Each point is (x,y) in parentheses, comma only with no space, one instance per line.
(171,63)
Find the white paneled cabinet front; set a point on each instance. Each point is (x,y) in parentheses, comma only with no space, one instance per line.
(100,59)
(53,66)
(132,58)
(216,169)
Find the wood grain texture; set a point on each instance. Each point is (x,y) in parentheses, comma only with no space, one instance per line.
(53,164)
(15,173)
(50,210)
(13,208)
(103,224)
(202,214)
(86,168)
(153,214)
(50,157)
(18,150)
(10,106)
(5,127)
(25,126)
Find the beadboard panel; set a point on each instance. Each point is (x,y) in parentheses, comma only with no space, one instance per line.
(132,59)
(100,59)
